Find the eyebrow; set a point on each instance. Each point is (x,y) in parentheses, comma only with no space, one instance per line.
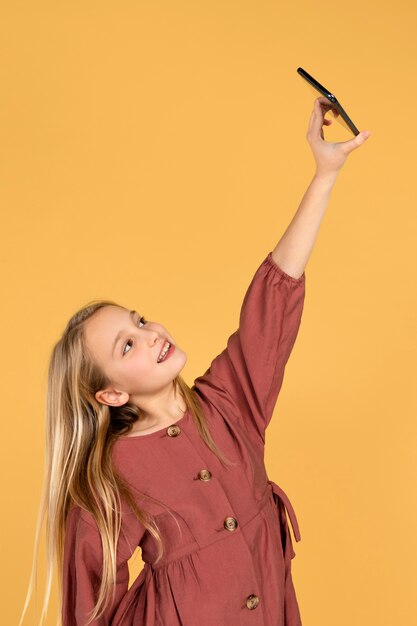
(121,332)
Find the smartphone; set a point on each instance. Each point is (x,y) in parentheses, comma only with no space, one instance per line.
(336,104)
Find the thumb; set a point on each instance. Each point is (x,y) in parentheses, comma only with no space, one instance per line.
(357,141)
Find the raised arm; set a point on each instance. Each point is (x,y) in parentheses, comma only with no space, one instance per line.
(294,248)
(244,380)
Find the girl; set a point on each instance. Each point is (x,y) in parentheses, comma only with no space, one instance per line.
(135,457)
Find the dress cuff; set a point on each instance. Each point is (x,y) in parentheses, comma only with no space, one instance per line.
(270,261)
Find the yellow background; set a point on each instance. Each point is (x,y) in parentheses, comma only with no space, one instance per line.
(154,153)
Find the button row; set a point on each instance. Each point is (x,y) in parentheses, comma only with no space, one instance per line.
(230,523)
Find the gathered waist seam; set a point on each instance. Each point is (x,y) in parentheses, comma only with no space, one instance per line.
(216,536)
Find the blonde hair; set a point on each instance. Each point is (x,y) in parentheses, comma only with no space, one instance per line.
(79,435)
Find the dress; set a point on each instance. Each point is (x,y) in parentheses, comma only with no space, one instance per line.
(228,547)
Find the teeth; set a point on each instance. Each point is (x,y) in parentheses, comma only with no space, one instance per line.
(164,351)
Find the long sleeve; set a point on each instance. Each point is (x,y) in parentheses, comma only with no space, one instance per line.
(82,566)
(246,377)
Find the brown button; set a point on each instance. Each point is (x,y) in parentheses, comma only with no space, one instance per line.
(230,523)
(252,602)
(173,430)
(204,474)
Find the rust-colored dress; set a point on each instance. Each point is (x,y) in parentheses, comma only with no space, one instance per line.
(228,547)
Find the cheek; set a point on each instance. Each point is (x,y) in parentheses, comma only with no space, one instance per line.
(131,369)
(139,363)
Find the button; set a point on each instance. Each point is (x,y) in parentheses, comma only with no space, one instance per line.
(173,430)
(204,474)
(230,523)
(252,602)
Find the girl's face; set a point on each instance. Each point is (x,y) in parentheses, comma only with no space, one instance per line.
(126,347)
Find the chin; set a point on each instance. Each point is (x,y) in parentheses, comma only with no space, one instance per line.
(183,358)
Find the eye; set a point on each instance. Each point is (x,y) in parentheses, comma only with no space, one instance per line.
(142,319)
(129,342)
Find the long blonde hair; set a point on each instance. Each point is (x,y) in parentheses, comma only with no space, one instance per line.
(79,435)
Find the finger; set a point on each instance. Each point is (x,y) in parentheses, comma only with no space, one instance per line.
(326,104)
(354,143)
(316,120)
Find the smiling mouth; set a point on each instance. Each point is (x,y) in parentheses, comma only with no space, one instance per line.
(167,353)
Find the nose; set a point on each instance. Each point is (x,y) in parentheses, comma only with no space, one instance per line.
(153,337)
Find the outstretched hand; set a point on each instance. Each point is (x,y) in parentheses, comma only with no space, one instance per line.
(329,156)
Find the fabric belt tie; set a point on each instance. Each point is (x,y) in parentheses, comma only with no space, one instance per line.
(281,494)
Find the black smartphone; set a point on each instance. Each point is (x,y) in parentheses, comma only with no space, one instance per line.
(336,104)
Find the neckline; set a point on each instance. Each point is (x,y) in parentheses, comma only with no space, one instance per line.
(154,433)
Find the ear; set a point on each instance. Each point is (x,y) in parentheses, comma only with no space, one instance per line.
(112,397)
